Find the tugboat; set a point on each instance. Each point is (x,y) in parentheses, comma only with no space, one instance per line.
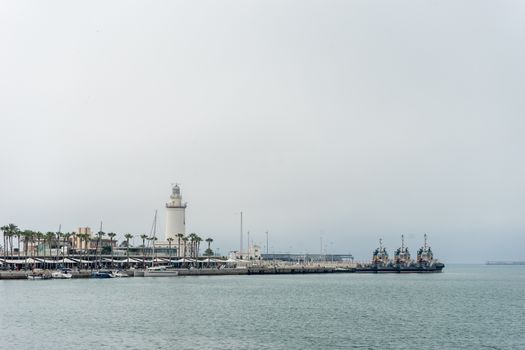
(402,255)
(426,261)
(402,261)
(380,260)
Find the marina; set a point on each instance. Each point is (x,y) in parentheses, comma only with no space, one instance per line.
(133,267)
(85,254)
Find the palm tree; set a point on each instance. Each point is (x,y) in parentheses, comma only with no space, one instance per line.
(111,235)
(18,233)
(57,244)
(179,237)
(100,234)
(10,236)
(10,231)
(66,237)
(209,251)
(192,237)
(27,236)
(170,240)
(144,237)
(39,237)
(32,240)
(194,244)
(198,241)
(128,236)
(185,240)
(73,240)
(4,229)
(49,237)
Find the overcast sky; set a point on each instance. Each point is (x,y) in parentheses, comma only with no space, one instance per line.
(350,120)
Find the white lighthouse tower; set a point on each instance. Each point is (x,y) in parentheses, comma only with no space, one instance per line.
(175,214)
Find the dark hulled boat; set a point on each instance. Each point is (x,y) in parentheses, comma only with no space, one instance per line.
(402,262)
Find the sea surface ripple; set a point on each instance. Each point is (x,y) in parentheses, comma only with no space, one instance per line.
(465,307)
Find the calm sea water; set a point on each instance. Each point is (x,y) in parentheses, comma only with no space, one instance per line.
(465,307)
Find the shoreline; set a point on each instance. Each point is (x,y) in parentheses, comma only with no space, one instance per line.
(296,270)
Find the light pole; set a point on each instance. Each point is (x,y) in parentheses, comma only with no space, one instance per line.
(266,242)
(240,248)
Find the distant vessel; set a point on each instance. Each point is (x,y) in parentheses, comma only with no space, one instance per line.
(402,262)
(38,276)
(160,271)
(102,274)
(61,274)
(505,263)
(119,274)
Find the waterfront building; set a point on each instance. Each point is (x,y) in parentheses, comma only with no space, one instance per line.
(78,243)
(93,244)
(254,253)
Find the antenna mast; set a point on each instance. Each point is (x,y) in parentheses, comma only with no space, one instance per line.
(266,242)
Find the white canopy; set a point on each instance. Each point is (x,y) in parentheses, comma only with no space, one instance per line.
(15,261)
(184,260)
(83,261)
(49,261)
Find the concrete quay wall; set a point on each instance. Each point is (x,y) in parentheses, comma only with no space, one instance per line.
(194,272)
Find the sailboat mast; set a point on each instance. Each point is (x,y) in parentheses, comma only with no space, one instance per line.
(154,233)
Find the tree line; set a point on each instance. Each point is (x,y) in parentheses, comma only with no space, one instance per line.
(187,245)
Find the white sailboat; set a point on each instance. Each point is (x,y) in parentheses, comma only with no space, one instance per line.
(158,271)
(61,274)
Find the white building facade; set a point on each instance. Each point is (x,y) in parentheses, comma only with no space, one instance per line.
(175,215)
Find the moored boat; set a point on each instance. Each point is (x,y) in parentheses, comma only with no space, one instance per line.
(119,274)
(102,274)
(402,263)
(61,274)
(38,276)
(160,271)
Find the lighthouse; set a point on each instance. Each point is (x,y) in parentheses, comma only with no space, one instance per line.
(175,214)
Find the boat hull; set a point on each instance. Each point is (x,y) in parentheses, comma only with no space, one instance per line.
(38,277)
(101,275)
(161,273)
(61,275)
(401,269)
